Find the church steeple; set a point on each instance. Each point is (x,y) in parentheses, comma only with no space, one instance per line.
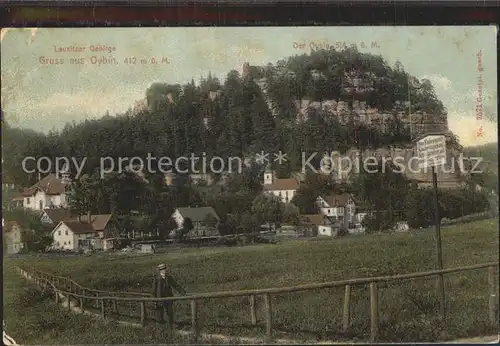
(268,176)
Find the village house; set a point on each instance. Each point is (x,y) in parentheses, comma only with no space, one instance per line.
(84,232)
(12,236)
(285,189)
(198,217)
(49,192)
(52,216)
(341,208)
(319,225)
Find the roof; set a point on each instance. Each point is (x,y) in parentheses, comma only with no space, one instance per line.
(51,185)
(337,200)
(197,214)
(282,184)
(77,227)
(313,219)
(99,222)
(58,214)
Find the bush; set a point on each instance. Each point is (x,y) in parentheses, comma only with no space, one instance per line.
(31,296)
(452,205)
(377,222)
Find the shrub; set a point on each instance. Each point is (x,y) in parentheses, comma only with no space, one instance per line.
(31,296)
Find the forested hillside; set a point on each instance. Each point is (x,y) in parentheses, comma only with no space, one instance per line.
(239,116)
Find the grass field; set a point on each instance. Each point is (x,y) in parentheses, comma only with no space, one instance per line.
(408,311)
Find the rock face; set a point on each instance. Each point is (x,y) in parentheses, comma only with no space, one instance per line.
(354,161)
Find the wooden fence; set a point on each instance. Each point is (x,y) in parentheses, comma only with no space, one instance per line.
(108,301)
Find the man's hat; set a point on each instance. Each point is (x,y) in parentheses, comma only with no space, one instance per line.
(162,266)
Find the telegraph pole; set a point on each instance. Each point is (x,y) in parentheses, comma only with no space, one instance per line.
(439,249)
(431,150)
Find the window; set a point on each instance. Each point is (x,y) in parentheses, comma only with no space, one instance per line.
(66,232)
(329,211)
(28,200)
(64,243)
(69,243)
(58,232)
(286,194)
(40,204)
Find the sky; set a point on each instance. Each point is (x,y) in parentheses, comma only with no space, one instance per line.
(42,96)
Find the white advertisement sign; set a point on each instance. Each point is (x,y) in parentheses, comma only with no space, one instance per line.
(431,151)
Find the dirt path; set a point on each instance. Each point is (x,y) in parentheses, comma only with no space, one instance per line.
(478,340)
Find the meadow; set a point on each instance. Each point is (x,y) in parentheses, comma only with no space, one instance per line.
(408,310)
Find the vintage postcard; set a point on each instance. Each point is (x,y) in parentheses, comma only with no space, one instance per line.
(234,185)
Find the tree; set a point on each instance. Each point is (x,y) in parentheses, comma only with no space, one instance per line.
(36,241)
(268,209)
(291,214)
(248,223)
(385,190)
(26,219)
(420,210)
(210,222)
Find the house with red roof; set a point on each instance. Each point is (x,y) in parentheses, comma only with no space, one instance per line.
(49,192)
(84,232)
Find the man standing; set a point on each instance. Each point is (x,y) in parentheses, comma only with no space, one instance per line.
(163,283)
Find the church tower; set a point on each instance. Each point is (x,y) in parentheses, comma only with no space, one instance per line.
(268,176)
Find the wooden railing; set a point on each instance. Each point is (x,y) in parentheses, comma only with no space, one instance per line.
(72,290)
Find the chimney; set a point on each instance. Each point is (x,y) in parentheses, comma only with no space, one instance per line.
(89,217)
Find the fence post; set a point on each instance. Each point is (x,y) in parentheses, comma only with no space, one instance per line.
(194,321)
(97,300)
(143,313)
(347,308)
(81,304)
(103,312)
(57,296)
(115,306)
(269,315)
(253,310)
(374,311)
(69,301)
(492,306)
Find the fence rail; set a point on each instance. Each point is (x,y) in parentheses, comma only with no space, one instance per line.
(107,301)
